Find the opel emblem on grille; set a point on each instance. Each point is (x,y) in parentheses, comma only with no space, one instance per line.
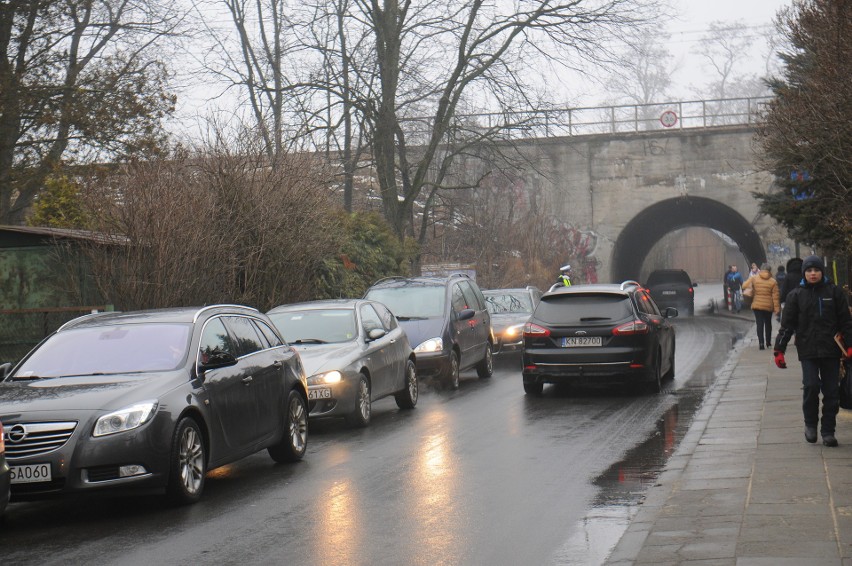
(16,434)
(580,333)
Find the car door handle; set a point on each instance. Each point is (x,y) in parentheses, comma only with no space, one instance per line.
(277,363)
(393,341)
(247,380)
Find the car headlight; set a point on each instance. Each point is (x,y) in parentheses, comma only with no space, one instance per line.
(430,345)
(514,331)
(326,378)
(124,419)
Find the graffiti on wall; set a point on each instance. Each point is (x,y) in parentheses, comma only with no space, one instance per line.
(577,246)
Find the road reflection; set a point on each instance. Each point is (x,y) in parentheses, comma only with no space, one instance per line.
(340,535)
(434,481)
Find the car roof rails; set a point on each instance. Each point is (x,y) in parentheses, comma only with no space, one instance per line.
(391,278)
(555,286)
(630,283)
(459,275)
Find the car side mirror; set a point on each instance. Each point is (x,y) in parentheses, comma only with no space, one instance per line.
(376,333)
(671,312)
(5,369)
(466,314)
(218,360)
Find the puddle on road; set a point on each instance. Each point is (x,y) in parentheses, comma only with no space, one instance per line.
(624,485)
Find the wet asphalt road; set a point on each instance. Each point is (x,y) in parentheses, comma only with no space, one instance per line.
(482,475)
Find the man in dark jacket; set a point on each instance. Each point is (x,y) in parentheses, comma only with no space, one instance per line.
(816,310)
(792,279)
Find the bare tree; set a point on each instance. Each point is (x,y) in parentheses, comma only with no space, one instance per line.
(224,225)
(79,81)
(642,73)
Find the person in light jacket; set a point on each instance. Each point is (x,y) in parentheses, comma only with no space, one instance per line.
(764,302)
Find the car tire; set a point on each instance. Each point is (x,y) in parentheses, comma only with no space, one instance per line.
(656,384)
(294,443)
(451,376)
(533,388)
(407,398)
(188,463)
(360,417)
(671,373)
(485,368)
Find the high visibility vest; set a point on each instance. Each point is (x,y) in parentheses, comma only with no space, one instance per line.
(566,280)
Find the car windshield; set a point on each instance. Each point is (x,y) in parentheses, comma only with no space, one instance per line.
(578,309)
(104,350)
(508,303)
(422,301)
(316,326)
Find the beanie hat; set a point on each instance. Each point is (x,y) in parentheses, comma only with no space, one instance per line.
(765,267)
(813,261)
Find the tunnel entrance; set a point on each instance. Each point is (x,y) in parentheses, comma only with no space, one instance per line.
(649,226)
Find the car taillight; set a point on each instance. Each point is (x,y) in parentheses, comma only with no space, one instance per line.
(2,442)
(635,327)
(535,331)
(691,290)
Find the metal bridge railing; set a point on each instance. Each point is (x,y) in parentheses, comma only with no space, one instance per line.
(554,122)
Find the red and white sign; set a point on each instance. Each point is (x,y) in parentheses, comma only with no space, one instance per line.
(668,118)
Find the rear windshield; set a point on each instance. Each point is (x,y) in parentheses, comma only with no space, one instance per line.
(574,309)
(657,278)
(412,302)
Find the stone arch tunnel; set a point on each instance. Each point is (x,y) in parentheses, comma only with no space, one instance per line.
(651,224)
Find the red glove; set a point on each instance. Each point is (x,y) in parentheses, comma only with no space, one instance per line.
(779,360)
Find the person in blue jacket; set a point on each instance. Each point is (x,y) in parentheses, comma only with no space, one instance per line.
(815,311)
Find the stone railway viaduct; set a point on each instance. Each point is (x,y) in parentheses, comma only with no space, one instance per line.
(625,191)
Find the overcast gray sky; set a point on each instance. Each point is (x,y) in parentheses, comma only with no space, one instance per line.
(686,24)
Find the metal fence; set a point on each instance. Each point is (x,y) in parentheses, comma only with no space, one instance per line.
(555,122)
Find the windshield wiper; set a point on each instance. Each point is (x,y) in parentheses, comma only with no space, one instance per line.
(309,341)
(28,377)
(590,318)
(411,318)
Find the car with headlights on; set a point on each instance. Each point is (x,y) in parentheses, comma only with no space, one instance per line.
(151,400)
(445,319)
(354,353)
(510,309)
(598,334)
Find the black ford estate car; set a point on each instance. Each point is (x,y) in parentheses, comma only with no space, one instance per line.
(598,334)
(446,321)
(151,400)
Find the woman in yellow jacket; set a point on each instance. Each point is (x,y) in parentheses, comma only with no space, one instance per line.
(764,302)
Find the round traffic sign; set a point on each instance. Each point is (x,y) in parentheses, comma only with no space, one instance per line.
(668,118)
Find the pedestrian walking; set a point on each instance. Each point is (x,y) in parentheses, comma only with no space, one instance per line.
(754,271)
(815,311)
(780,276)
(792,279)
(735,288)
(764,302)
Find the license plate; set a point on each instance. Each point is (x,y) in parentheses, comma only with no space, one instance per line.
(669,292)
(321,393)
(30,473)
(581,341)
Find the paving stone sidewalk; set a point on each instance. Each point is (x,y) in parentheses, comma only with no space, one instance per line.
(743,487)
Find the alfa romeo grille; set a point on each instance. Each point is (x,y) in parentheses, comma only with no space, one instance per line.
(34,439)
